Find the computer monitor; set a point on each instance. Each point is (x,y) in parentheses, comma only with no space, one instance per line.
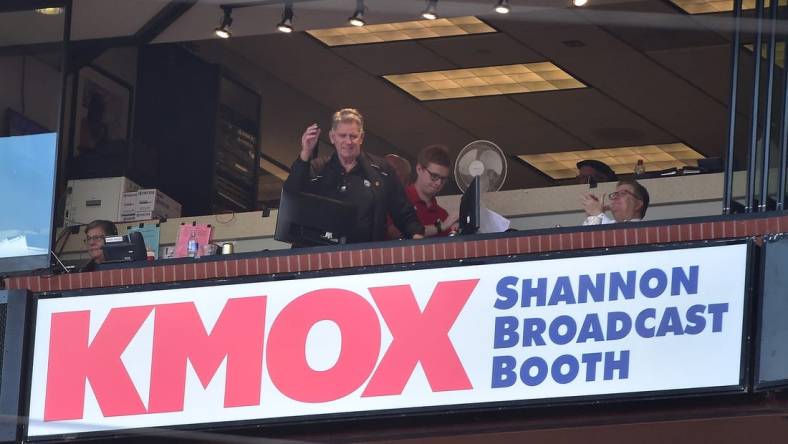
(306,219)
(470,208)
(126,248)
(27,190)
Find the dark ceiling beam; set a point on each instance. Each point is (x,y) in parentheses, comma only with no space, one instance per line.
(85,51)
(166,16)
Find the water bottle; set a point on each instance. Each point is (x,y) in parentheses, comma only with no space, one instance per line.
(640,168)
(192,247)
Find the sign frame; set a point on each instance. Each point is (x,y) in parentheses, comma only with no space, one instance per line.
(745,372)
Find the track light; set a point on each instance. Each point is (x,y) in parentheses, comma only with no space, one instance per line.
(286,25)
(357,19)
(502,7)
(431,13)
(50,11)
(580,2)
(223,31)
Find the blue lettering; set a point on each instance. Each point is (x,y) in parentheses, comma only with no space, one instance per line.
(716,311)
(640,323)
(506,332)
(540,292)
(533,329)
(645,283)
(591,329)
(503,374)
(541,371)
(696,322)
(595,289)
(619,325)
(591,360)
(507,292)
(679,278)
(620,286)
(555,329)
(562,292)
(670,322)
(621,365)
(558,365)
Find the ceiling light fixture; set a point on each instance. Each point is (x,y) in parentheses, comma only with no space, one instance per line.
(580,2)
(286,25)
(50,11)
(431,13)
(357,19)
(503,7)
(399,31)
(659,156)
(223,31)
(484,81)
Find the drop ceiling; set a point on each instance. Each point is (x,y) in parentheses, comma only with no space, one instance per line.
(654,74)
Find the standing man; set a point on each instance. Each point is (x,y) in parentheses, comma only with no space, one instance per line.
(354,176)
(432,171)
(95,232)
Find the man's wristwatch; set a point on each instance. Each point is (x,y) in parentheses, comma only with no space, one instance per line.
(438,226)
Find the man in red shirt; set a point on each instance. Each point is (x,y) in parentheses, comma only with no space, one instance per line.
(432,171)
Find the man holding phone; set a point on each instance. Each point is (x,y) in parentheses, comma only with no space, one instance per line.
(627,204)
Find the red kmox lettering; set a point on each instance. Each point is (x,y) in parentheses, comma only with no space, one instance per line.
(72,362)
(420,337)
(360,330)
(179,335)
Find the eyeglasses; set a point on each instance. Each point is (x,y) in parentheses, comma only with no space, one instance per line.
(622,193)
(90,239)
(436,177)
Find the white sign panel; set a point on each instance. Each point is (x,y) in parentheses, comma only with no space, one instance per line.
(600,325)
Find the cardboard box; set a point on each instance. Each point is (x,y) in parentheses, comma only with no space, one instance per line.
(146,204)
(91,199)
(153,200)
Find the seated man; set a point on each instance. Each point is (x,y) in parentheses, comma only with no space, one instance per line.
(589,170)
(432,171)
(627,204)
(94,239)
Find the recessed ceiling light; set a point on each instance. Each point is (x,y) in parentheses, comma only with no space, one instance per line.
(580,2)
(390,32)
(485,81)
(50,11)
(622,159)
(712,6)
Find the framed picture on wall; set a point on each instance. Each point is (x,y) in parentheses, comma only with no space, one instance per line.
(102,110)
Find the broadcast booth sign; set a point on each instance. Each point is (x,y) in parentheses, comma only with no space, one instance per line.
(513,332)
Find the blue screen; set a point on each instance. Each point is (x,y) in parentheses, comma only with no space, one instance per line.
(27,175)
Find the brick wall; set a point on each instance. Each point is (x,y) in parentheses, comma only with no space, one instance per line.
(289,261)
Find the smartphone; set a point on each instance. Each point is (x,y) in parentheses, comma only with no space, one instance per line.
(317,145)
(591,182)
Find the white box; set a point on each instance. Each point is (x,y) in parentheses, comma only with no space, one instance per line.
(146,204)
(91,199)
(155,201)
(128,203)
